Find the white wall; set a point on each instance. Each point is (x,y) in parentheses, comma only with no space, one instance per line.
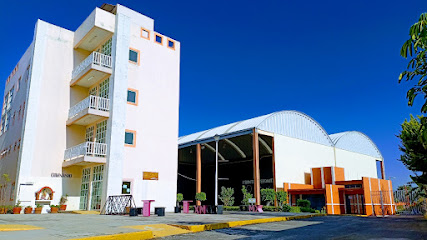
(356,165)
(155,119)
(294,157)
(44,138)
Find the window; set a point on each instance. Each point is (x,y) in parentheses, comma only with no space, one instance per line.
(134,56)
(130,138)
(101,131)
(106,47)
(159,39)
(171,44)
(126,188)
(145,33)
(132,96)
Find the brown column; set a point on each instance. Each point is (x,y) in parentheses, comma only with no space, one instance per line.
(274,169)
(198,170)
(255,147)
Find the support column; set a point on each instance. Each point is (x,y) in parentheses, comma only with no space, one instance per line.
(273,169)
(382,169)
(255,147)
(198,170)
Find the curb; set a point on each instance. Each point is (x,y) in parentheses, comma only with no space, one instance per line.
(215,226)
(120,236)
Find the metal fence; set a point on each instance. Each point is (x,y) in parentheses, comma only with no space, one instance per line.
(409,203)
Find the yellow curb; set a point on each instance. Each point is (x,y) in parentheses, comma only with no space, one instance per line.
(17,227)
(121,236)
(214,226)
(160,230)
(85,212)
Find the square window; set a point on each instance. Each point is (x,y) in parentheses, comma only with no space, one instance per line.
(134,56)
(132,97)
(145,33)
(171,44)
(130,138)
(126,188)
(159,39)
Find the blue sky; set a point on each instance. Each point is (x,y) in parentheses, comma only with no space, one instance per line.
(337,61)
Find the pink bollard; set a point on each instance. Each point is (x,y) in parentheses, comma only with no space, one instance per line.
(146,207)
(186,206)
(259,208)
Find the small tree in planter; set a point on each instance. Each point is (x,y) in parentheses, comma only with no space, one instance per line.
(179,198)
(201,196)
(62,202)
(5,180)
(38,209)
(227,196)
(268,195)
(246,196)
(17,208)
(28,210)
(281,197)
(54,208)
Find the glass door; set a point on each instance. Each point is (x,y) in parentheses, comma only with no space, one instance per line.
(84,189)
(98,174)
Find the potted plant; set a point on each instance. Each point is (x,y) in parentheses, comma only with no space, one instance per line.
(17,208)
(201,196)
(8,209)
(63,202)
(54,208)
(245,201)
(226,197)
(179,198)
(2,209)
(268,195)
(28,210)
(38,209)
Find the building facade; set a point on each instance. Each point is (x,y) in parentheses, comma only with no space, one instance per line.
(92,113)
(290,151)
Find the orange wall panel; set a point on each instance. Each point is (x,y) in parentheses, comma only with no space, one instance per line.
(327,175)
(317,177)
(339,174)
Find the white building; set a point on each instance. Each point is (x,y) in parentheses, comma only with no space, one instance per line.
(93,113)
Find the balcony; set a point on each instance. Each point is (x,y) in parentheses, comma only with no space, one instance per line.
(96,29)
(85,153)
(88,111)
(94,68)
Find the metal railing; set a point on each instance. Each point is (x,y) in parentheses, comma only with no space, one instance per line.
(92,102)
(94,58)
(86,149)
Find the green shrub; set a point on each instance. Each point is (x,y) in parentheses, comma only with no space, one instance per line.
(270,208)
(246,196)
(316,211)
(227,196)
(307,209)
(295,209)
(286,208)
(231,208)
(281,197)
(179,197)
(303,203)
(201,196)
(268,194)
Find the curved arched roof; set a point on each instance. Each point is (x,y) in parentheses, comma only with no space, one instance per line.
(292,124)
(356,142)
(288,123)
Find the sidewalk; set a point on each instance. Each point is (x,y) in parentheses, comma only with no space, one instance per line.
(69,226)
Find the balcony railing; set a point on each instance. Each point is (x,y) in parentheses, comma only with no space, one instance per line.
(92,102)
(86,149)
(94,58)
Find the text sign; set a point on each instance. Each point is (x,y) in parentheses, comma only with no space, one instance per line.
(150,176)
(62,175)
(251,200)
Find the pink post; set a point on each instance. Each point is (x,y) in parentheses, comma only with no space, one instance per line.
(259,208)
(146,207)
(186,205)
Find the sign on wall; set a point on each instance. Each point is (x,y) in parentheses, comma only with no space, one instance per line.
(61,175)
(150,176)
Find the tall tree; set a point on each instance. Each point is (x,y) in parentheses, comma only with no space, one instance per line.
(415,48)
(414,155)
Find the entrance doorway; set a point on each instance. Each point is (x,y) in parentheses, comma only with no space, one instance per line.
(91,188)
(354,204)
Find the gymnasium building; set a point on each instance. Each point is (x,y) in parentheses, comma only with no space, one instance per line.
(342,173)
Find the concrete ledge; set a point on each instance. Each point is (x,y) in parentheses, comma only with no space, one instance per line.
(215,226)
